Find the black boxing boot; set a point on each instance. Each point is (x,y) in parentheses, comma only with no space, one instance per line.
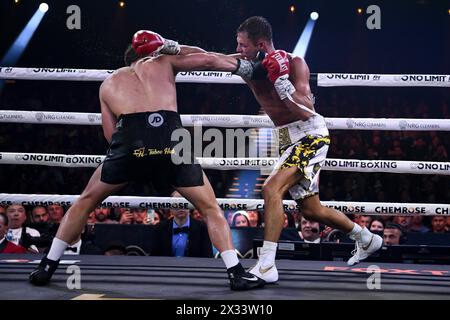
(44,272)
(242,280)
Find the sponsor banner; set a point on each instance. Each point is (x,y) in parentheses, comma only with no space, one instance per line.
(368,208)
(50,117)
(388,124)
(208,77)
(388,166)
(227,121)
(382,80)
(232,121)
(13,116)
(353,165)
(67,74)
(57,160)
(373,208)
(323,79)
(70,74)
(237,163)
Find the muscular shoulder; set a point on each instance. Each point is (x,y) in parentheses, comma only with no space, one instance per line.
(113,78)
(298,63)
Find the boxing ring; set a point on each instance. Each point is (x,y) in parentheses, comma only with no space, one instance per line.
(171,278)
(130,277)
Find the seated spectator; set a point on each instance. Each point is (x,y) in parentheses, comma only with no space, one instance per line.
(74,248)
(393,234)
(229,217)
(240,219)
(196,215)
(417,225)
(17,230)
(39,215)
(254,218)
(357,219)
(126,216)
(438,224)
(288,220)
(91,218)
(84,245)
(157,218)
(5,245)
(309,231)
(102,215)
(140,215)
(365,221)
(55,213)
(404,221)
(377,225)
(181,236)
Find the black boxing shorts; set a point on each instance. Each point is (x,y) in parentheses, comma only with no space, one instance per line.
(141,150)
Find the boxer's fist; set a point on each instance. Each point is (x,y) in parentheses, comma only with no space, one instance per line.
(146,42)
(277,65)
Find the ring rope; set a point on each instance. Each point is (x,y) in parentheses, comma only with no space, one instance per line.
(322,79)
(231,121)
(365,208)
(353,165)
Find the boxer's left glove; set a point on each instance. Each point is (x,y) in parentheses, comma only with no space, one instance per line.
(244,68)
(146,42)
(277,66)
(251,69)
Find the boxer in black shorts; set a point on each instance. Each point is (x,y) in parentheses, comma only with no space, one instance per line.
(141,150)
(139,115)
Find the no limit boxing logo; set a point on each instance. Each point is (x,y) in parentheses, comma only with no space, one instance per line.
(155,120)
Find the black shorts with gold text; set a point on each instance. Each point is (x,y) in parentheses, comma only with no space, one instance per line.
(141,150)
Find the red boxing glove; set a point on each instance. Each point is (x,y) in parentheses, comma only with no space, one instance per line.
(146,42)
(277,65)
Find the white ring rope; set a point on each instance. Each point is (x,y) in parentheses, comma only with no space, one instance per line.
(352,165)
(231,121)
(366,208)
(323,79)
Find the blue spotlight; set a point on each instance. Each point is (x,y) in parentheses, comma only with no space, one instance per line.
(15,51)
(303,42)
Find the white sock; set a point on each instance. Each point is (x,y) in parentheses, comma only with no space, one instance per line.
(360,234)
(267,254)
(57,249)
(230,258)
(366,236)
(354,234)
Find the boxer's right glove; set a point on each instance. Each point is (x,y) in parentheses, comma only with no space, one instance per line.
(146,42)
(277,66)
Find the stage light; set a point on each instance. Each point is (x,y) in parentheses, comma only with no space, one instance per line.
(43,7)
(303,42)
(18,47)
(359,10)
(122,4)
(292,9)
